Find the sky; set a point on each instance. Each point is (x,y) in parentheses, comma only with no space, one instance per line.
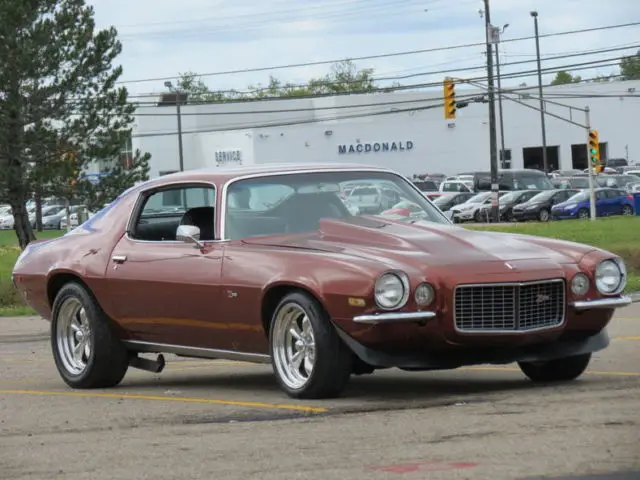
(163,38)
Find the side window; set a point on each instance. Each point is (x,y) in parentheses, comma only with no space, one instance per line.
(601,195)
(164,210)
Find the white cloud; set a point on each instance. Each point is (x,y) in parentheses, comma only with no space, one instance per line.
(163,38)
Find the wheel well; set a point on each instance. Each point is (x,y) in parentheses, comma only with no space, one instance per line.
(59,280)
(273,297)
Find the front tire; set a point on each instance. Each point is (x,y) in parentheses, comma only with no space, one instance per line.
(86,351)
(559,370)
(544,215)
(309,359)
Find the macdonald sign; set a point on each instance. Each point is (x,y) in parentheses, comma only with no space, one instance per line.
(376,147)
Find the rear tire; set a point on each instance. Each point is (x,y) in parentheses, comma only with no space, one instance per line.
(559,370)
(627,210)
(309,359)
(86,350)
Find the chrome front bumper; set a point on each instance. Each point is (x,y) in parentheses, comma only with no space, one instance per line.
(401,317)
(616,302)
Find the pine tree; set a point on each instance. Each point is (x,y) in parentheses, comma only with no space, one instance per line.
(60,108)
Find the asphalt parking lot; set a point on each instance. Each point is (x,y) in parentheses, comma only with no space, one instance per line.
(228,420)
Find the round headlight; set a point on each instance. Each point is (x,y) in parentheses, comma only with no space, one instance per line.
(580,284)
(391,291)
(610,277)
(424,294)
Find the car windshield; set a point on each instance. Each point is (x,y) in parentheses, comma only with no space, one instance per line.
(542,196)
(579,182)
(579,197)
(284,204)
(479,198)
(509,197)
(532,182)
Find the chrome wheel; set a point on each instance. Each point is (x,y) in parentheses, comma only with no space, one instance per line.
(73,336)
(294,347)
(626,210)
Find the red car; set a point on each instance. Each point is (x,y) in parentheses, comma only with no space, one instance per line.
(267,264)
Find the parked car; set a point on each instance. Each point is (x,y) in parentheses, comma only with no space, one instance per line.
(616,181)
(508,180)
(609,201)
(506,203)
(288,276)
(456,186)
(470,210)
(426,185)
(539,206)
(372,199)
(449,200)
(576,182)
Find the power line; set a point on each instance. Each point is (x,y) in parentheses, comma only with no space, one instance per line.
(381,9)
(385,55)
(439,72)
(521,74)
(292,122)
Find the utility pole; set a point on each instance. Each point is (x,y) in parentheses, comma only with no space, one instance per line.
(493,148)
(545,161)
(179,96)
(179,114)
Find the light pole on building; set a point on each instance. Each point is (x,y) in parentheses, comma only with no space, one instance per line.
(179,97)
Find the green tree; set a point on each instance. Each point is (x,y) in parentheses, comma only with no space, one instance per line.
(343,77)
(197,90)
(630,67)
(57,88)
(564,78)
(119,176)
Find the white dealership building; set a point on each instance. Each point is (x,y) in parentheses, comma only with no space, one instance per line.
(406,131)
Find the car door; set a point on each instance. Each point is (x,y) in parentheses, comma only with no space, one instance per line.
(616,197)
(603,203)
(161,290)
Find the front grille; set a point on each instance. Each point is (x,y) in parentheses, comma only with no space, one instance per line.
(509,307)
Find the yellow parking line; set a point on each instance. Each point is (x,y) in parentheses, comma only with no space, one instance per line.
(233,403)
(627,338)
(591,372)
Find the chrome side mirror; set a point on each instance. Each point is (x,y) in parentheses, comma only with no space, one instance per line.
(189,234)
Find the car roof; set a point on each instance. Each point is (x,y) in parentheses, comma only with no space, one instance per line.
(221,175)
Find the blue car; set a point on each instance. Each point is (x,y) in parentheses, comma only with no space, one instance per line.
(609,201)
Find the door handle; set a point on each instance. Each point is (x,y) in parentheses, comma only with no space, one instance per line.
(119,258)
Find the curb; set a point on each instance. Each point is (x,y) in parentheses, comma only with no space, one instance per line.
(635,297)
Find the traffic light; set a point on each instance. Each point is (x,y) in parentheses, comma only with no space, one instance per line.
(594,148)
(449,95)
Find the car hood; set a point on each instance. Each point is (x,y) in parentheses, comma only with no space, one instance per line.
(398,242)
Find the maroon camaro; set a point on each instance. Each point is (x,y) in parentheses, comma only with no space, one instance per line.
(272,264)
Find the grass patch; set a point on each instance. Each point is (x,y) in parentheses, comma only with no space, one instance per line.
(11,304)
(620,235)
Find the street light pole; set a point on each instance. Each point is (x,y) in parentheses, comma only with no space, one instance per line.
(502,147)
(545,161)
(493,153)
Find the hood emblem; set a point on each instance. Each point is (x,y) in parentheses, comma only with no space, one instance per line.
(509,266)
